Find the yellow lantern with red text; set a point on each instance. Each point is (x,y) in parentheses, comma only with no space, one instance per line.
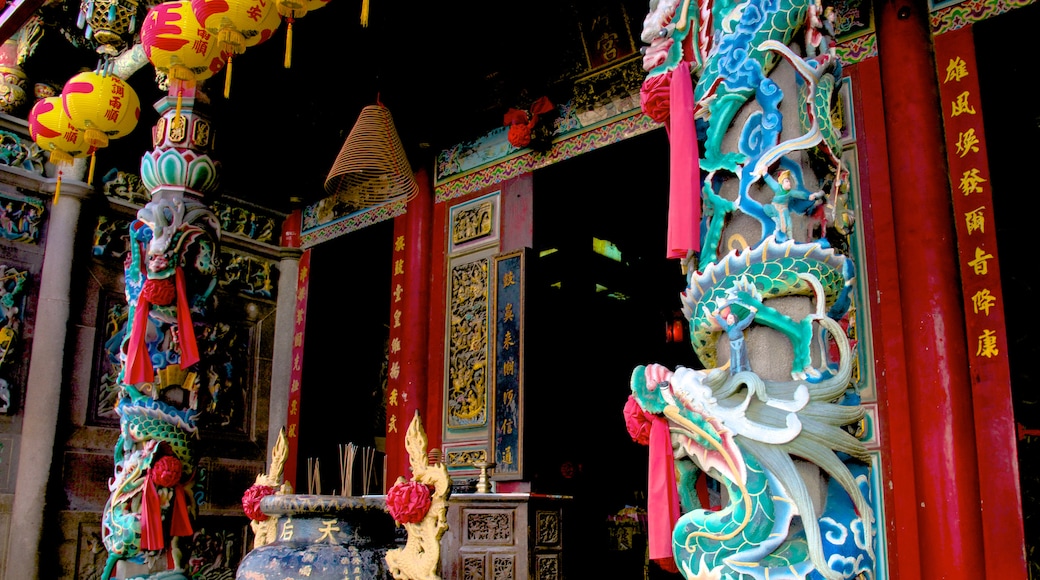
(103,106)
(234,22)
(177,45)
(291,10)
(268,27)
(49,128)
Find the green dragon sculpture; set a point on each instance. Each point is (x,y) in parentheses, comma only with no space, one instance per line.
(170,273)
(760,438)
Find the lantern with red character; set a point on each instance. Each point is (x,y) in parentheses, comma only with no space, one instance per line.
(101,105)
(234,22)
(49,128)
(178,46)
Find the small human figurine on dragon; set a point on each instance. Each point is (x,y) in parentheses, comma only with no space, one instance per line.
(770,409)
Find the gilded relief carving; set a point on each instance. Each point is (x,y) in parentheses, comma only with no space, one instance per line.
(467,355)
(473,223)
(468,458)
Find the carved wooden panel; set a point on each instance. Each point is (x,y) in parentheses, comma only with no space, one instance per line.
(503,566)
(489,527)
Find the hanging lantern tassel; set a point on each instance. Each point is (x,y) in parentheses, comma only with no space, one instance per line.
(59,158)
(288,42)
(90,174)
(364,13)
(57,188)
(227,78)
(182,77)
(232,42)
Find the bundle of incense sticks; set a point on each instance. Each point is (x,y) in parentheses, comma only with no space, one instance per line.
(313,476)
(368,462)
(347,453)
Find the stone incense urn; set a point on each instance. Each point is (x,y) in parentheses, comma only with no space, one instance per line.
(324,537)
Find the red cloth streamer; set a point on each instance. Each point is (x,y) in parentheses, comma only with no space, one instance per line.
(151,517)
(161,293)
(684,199)
(180,523)
(662,502)
(189,348)
(138,362)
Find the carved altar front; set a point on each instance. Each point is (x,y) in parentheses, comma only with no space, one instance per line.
(506,536)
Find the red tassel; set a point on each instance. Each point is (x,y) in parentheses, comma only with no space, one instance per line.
(180,523)
(151,517)
(189,348)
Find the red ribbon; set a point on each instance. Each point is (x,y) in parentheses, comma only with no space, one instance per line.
(180,523)
(662,503)
(151,517)
(684,199)
(138,362)
(189,349)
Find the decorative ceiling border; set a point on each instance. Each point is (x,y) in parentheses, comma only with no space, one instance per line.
(350,223)
(630,124)
(947,17)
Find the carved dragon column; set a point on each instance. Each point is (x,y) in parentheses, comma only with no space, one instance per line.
(759,220)
(170,274)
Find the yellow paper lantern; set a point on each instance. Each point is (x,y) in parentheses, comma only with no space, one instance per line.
(177,45)
(103,106)
(49,128)
(234,22)
(268,27)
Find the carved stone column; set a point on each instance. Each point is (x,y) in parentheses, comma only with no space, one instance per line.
(43,391)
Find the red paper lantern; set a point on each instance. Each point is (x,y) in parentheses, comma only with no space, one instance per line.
(234,22)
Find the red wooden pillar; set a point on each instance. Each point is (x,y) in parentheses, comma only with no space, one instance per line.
(984,308)
(409,327)
(942,430)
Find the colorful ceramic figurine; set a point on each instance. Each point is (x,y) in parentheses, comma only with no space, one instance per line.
(774,413)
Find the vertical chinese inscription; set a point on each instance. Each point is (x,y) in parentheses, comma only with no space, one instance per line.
(972,200)
(508,351)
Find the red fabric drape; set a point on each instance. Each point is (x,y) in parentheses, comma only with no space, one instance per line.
(663,508)
(684,198)
(157,291)
(189,348)
(180,523)
(151,517)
